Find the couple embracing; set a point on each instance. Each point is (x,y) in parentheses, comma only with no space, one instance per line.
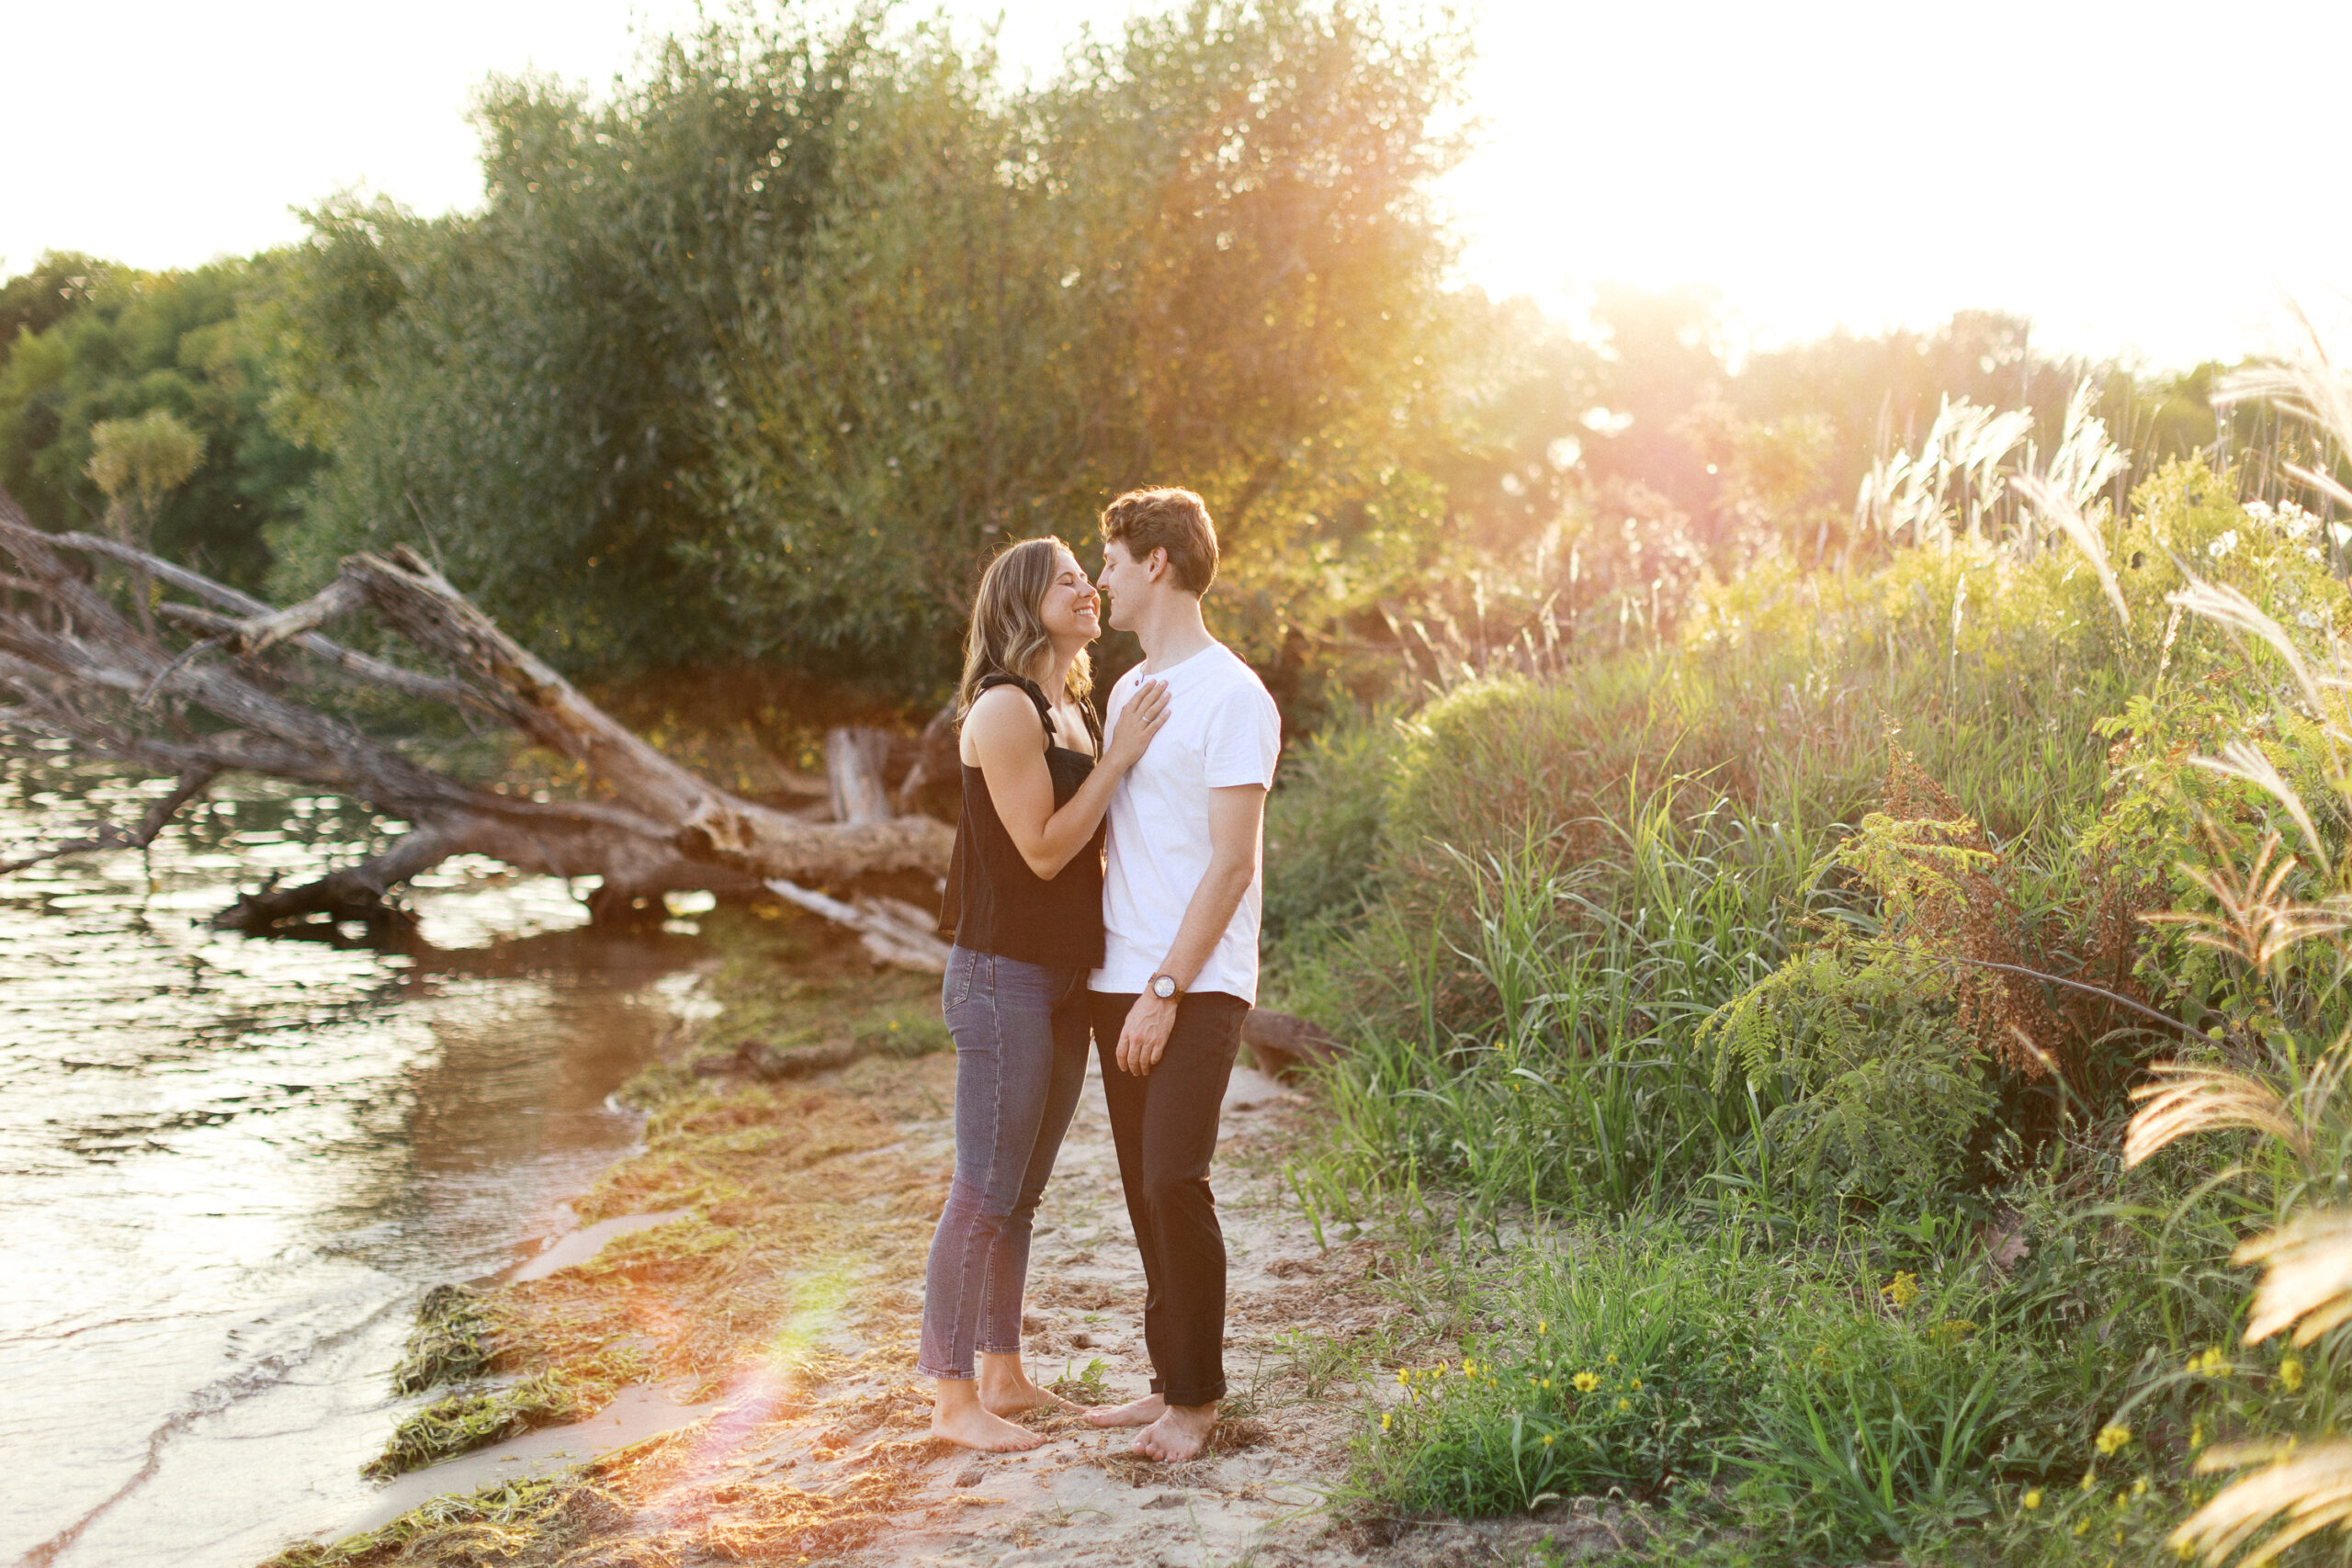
(1147,944)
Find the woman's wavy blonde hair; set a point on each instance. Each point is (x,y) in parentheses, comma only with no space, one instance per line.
(1008,632)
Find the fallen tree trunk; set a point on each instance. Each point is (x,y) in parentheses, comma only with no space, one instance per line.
(1284,1045)
(235,692)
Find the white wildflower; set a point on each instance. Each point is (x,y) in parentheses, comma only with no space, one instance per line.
(2311,553)
(2259,511)
(2223,546)
(2306,620)
(2294,521)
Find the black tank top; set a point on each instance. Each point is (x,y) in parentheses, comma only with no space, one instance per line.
(994,903)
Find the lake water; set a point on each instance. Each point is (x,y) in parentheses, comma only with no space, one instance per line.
(230,1167)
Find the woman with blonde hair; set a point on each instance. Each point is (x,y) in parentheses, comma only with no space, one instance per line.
(1023,907)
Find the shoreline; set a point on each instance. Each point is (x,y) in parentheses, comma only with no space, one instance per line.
(770,1318)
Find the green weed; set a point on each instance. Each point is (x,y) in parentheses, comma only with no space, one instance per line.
(1084,1385)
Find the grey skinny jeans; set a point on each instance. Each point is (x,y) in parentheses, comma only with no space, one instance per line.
(1021,1034)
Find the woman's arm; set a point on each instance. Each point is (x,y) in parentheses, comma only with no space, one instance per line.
(1008,745)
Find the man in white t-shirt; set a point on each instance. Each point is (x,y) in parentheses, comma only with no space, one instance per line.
(1180,900)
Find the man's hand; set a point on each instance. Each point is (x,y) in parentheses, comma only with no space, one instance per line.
(1145,1034)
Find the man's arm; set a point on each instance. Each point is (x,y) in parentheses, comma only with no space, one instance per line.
(1236,813)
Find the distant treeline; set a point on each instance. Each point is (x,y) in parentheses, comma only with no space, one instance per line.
(752,362)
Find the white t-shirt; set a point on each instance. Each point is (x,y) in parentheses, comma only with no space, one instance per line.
(1221,730)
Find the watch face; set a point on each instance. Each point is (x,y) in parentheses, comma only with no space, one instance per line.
(1164,986)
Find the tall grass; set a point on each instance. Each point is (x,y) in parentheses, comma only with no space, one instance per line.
(1570,876)
(1556,886)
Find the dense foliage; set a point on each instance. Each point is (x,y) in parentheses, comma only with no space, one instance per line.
(757,360)
(748,364)
(89,344)
(1790,979)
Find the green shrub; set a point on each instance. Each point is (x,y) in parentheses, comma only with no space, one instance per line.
(1885,1423)
(1623,1365)
(1323,824)
(1826,1403)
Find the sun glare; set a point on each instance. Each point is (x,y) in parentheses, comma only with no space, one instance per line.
(1818,166)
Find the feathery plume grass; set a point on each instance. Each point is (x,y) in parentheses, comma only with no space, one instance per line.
(2310,1486)
(2307,1276)
(2309,388)
(2191,1100)
(2256,925)
(2087,457)
(2058,509)
(2245,761)
(2236,613)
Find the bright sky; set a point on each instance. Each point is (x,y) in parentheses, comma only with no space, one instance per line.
(2148,178)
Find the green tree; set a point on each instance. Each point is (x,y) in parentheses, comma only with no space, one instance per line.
(137,463)
(527,393)
(58,283)
(181,344)
(757,360)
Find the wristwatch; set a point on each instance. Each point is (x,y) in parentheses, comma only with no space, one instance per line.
(1165,987)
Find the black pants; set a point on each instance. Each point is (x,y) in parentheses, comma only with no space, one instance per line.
(1165,1128)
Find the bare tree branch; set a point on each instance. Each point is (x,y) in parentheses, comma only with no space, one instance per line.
(113,687)
(106,836)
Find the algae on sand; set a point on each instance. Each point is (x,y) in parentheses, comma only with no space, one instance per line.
(450,1343)
(785,1217)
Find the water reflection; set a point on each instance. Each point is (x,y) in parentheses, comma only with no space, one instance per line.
(228,1166)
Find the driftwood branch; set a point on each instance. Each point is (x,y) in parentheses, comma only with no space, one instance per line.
(107,836)
(853,762)
(935,760)
(891,929)
(213,687)
(371,671)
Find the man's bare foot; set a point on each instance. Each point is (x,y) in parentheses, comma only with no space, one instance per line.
(1142,1413)
(1180,1433)
(976,1428)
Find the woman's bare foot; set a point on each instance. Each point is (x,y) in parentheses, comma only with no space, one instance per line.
(974,1428)
(1014,1399)
(1180,1433)
(1142,1413)
(958,1416)
(1006,1390)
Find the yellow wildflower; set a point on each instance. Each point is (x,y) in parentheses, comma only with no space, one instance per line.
(1610,1360)
(1387,1416)
(1901,1291)
(1403,1378)
(2090,1478)
(2084,1528)
(1540,1325)
(2033,1499)
(2111,1437)
(1587,1382)
(1637,1385)
(1469,1368)
(2212,1361)
(1547,1440)
(2197,1434)
(2291,1373)
(2139,1487)
(1623,1406)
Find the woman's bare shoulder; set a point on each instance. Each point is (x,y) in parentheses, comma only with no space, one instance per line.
(1000,713)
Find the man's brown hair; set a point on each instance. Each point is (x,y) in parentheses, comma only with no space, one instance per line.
(1166,518)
